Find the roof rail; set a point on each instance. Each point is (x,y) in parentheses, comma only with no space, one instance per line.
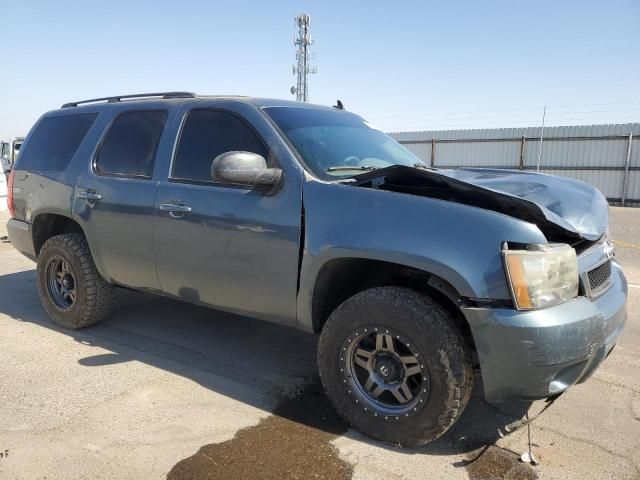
(119,98)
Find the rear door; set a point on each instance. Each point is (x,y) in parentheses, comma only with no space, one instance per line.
(114,199)
(228,246)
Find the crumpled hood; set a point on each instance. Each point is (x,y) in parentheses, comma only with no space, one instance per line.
(560,206)
(571,204)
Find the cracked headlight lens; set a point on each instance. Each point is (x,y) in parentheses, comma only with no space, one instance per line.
(542,277)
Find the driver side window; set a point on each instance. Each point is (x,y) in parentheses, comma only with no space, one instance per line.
(205,135)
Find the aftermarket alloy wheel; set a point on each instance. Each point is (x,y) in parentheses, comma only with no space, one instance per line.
(383,371)
(61,282)
(395,365)
(71,290)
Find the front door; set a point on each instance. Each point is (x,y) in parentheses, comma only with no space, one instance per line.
(227,246)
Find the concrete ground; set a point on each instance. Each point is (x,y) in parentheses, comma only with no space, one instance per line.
(164,388)
(3,193)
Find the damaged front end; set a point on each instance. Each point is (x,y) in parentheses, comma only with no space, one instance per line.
(569,304)
(565,210)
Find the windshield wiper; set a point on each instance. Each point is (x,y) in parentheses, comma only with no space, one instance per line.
(423,166)
(368,168)
(353,167)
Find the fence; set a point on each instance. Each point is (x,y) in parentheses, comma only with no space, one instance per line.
(606,156)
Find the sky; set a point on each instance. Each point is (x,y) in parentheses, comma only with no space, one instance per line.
(403,65)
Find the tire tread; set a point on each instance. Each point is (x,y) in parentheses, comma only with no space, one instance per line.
(427,316)
(95,302)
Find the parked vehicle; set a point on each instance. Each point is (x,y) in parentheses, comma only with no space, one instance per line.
(8,153)
(307,216)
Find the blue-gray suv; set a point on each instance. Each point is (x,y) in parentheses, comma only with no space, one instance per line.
(310,217)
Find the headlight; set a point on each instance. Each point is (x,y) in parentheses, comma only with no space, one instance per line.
(542,277)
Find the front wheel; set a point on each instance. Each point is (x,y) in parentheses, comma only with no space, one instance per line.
(395,365)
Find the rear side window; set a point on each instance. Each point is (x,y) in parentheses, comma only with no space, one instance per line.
(205,135)
(54,142)
(129,147)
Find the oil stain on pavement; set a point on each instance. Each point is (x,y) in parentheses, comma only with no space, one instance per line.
(293,443)
(494,463)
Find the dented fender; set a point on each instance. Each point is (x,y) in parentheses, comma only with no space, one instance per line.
(459,243)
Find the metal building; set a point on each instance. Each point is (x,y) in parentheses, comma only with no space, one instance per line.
(606,156)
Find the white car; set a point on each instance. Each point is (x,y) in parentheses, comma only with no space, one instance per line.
(8,153)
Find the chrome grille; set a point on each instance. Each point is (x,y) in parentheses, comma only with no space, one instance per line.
(599,277)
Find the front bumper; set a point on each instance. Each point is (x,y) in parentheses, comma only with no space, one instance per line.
(529,355)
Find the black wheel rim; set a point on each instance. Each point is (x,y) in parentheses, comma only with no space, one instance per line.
(61,283)
(384,373)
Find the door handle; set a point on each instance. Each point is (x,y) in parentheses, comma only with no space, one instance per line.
(89,195)
(174,209)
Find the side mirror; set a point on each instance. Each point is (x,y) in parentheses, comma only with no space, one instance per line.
(244,168)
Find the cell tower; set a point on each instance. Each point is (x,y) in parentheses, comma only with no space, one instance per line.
(303,54)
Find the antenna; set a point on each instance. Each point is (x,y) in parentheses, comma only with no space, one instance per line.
(303,54)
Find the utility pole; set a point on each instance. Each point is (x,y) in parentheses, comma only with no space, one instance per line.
(303,54)
(544,116)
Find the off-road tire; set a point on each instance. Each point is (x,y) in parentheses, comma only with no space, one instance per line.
(94,295)
(430,329)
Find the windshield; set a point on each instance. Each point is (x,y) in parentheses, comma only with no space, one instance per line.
(338,143)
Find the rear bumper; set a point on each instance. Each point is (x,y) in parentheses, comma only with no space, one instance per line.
(529,355)
(21,238)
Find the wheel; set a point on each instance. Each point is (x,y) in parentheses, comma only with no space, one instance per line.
(72,291)
(395,366)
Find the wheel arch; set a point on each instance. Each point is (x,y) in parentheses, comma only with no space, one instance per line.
(341,278)
(46,225)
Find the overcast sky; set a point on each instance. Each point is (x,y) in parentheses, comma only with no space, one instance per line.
(404,65)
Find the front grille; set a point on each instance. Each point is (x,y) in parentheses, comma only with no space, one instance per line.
(583,245)
(599,277)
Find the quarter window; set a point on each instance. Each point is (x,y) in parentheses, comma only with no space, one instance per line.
(205,135)
(129,148)
(55,141)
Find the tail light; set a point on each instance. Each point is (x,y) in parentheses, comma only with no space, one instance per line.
(12,207)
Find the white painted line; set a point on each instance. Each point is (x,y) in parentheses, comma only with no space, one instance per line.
(633,285)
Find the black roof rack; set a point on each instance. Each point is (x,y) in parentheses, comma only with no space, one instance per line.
(119,98)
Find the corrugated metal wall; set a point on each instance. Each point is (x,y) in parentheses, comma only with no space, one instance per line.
(596,154)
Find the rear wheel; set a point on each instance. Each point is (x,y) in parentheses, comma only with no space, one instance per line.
(72,291)
(395,366)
